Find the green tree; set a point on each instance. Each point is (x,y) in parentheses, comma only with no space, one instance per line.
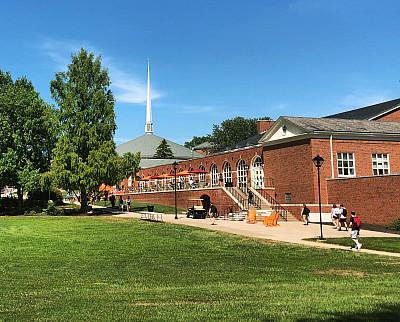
(129,165)
(164,151)
(27,132)
(197,140)
(232,131)
(85,154)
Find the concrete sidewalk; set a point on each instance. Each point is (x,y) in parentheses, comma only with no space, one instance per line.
(288,232)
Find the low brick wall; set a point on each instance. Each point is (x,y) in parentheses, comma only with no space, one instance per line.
(217,196)
(375,199)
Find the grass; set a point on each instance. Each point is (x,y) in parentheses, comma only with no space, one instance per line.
(157,208)
(387,244)
(109,269)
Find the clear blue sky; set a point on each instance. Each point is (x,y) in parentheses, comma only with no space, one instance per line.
(213,60)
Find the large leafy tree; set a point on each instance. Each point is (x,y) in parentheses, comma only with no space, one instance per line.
(28,131)
(232,131)
(163,151)
(85,154)
(197,140)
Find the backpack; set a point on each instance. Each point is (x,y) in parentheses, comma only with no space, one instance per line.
(357,223)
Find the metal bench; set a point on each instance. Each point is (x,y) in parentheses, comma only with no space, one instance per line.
(151,216)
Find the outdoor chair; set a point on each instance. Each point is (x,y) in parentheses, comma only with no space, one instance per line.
(272,220)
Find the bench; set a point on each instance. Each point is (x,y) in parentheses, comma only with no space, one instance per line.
(151,216)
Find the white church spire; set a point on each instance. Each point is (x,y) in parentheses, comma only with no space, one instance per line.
(149,124)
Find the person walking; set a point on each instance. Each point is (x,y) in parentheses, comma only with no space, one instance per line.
(121,203)
(355,224)
(335,216)
(112,200)
(250,197)
(128,203)
(342,218)
(305,214)
(213,213)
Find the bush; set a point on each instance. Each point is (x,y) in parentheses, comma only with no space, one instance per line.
(55,195)
(52,210)
(394,225)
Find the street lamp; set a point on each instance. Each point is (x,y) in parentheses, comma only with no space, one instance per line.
(318,161)
(175,164)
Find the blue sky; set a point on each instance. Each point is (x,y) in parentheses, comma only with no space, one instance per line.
(213,60)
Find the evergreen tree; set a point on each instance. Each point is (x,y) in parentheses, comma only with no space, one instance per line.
(85,154)
(164,151)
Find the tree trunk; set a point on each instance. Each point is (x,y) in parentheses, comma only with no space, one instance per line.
(20,194)
(84,200)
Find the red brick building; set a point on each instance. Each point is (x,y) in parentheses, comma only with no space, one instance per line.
(361,149)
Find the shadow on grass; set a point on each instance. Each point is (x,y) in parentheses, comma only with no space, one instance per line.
(382,313)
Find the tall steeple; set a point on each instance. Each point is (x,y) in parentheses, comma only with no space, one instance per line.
(149,124)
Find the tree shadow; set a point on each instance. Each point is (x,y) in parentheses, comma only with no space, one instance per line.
(381,313)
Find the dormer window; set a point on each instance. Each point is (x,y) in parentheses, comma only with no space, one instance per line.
(284,129)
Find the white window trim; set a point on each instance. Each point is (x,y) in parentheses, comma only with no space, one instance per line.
(372,164)
(354,165)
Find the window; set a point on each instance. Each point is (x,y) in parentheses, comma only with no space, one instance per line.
(202,176)
(214,175)
(242,174)
(380,164)
(345,164)
(288,197)
(227,173)
(257,174)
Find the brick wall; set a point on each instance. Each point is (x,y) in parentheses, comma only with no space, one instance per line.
(264,125)
(375,199)
(391,117)
(248,155)
(290,167)
(217,196)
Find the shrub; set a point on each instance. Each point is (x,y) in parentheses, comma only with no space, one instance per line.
(394,225)
(55,195)
(52,210)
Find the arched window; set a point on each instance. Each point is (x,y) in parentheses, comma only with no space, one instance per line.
(214,175)
(202,176)
(227,173)
(242,174)
(257,173)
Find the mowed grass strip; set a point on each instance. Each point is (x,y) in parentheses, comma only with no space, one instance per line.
(387,244)
(104,268)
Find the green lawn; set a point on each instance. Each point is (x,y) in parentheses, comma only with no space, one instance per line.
(386,244)
(104,268)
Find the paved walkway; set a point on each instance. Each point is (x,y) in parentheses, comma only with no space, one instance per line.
(288,232)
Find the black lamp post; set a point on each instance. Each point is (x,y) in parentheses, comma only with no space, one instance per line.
(175,164)
(318,161)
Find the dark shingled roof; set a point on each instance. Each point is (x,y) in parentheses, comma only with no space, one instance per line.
(342,125)
(251,141)
(368,112)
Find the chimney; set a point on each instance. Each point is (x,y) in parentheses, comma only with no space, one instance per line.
(264,125)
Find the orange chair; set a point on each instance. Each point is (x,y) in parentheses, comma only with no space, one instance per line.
(272,220)
(251,215)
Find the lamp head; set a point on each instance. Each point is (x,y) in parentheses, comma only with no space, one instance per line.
(318,161)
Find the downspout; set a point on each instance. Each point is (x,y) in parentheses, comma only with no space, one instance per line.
(331,146)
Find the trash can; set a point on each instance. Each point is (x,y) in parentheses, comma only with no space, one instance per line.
(150,207)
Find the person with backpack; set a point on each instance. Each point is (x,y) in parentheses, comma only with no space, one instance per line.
(355,224)
(305,214)
(342,217)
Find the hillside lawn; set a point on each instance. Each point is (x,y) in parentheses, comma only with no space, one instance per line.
(107,268)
